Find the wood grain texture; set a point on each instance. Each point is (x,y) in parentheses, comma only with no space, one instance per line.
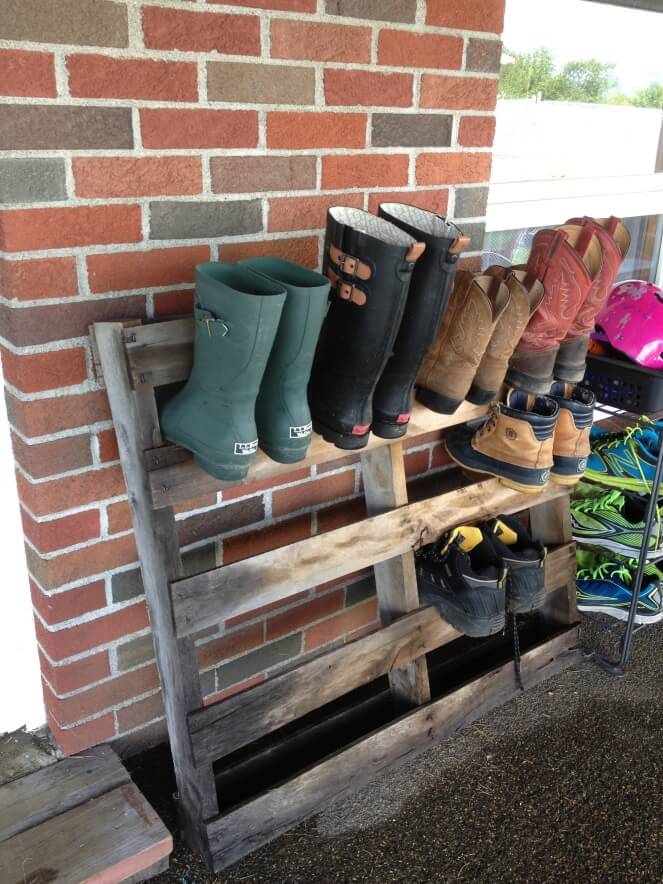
(551,523)
(214,596)
(238,832)
(110,839)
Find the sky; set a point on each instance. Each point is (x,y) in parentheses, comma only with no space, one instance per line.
(576,29)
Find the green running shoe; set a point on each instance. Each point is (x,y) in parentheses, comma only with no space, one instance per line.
(613,520)
(627,462)
(603,587)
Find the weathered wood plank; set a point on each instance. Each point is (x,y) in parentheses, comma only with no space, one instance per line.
(177,478)
(238,832)
(385,489)
(112,838)
(220,729)
(214,596)
(30,800)
(551,524)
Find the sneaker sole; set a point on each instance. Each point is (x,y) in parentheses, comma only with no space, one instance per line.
(636,485)
(612,545)
(619,614)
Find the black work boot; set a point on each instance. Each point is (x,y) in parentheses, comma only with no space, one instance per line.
(369,262)
(523,559)
(462,576)
(426,302)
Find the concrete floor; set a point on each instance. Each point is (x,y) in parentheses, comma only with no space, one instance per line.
(564,783)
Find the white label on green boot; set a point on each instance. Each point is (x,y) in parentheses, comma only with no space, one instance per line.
(301,432)
(246,447)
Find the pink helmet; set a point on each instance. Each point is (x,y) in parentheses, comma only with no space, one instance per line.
(632,322)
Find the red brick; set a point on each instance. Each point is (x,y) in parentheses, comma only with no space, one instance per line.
(318,41)
(431,200)
(307,212)
(199,503)
(416,462)
(471,15)
(137,176)
(60,533)
(93,633)
(39,229)
(238,688)
(255,542)
(177,128)
(119,517)
(85,562)
(350,620)
(57,495)
(98,76)
(76,675)
(291,130)
(68,605)
(453,168)
(313,493)
(38,278)
(476,131)
(295,619)
(201,31)
(139,713)
(27,73)
(302,250)
(33,372)
(364,170)
(404,49)
(230,645)
(43,416)
(254,487)
(90,733)
(368,88)
(130,270)
(466,93)
(439,457)
(108,450)
(337,463)
(49,458)
(341,514)
(173,303)
(473,264)
(285,5)
(69,710)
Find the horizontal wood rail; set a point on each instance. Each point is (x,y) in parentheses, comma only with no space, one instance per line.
(259,820)
(214,596)
(230,724)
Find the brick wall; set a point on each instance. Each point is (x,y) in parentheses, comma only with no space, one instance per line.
(138,139)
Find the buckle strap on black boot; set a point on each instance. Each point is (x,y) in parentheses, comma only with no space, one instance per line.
(369,262)
(426,302)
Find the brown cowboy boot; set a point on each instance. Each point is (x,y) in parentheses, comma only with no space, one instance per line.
(615,240)
(566,260)
(571,445)
(526,295)
(475,306)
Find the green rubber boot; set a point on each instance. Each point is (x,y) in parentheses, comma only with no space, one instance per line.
(237,315)
(282,412)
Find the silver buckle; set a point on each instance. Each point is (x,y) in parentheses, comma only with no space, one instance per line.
(208,320)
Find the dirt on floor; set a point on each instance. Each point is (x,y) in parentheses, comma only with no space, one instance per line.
(563,783)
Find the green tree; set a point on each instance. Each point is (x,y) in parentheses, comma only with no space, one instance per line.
(588,80)
(650,96)
(527,73)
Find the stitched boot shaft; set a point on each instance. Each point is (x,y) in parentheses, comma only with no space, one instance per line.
(283,417)
(565,260)
(237,314)
(515,444)
(526,294)
(571,447)
(615,239)
(446,374)
(524,560)
(370,264)
(426,301)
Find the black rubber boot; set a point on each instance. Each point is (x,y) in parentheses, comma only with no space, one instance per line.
(369,262)
(426,302)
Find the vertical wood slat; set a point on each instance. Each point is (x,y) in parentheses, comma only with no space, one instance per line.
(158,550)
(396,580)
(550,522)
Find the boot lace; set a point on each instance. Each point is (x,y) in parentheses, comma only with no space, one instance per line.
(606,571)
(491,422)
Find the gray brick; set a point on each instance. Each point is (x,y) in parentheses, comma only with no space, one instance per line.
(258,174)
(380,10)
(411,130)
(471,202)
(484,56)
(32,181)
(260,83)
(82,22)
(207,683)
(127,585)
(259,660)
(134,652)
(360,591)
(54,127)
(202,558)
(476,232)
(184,220)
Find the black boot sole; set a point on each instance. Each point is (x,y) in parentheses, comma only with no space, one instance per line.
(345,441)
(388,429)
(528,383)
(472,626)
(477,396)
(436,402)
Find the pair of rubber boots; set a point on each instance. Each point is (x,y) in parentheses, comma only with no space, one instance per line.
(530,439)
(486,316)
(577,264)
(390,275)
(256,328)
(474,575)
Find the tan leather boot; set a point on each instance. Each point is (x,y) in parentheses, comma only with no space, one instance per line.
(526,294)
(515,444)
(571,446)
(476,304)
